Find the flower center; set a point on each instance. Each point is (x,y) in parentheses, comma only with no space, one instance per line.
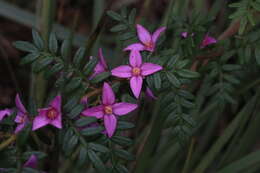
(136,71)
(108,110)
(52,114)
(149,45)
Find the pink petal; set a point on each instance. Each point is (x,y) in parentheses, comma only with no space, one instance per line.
(19,127)
(135,59)
(135,46)
(136,85)
(20,117)
(19,104)
(110,122)
(149,93)
(102,59)
(31,162)
(123,71)
(108,96)
(84,100)
(96,111)
(207,41)
(56,103)
(5,112)
(184,34)
(123,108)
(157,33)
(56,122)
(143,35)
(41,119)
(149,68)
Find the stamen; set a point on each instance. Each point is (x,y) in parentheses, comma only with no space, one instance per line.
(52,114)
(136,71)
(108,110)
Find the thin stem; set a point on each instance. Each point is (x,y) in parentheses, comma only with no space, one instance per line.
(7,142)
(189,156)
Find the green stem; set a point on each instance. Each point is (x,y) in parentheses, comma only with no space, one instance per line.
(7,142)
(187,162)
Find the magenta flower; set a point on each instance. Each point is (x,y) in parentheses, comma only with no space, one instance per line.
(136,71)
(149,94)
(148,41)
(207,41)
(31,162)
(101,66)
(51,115)
(109,110)
(22,115)
(5,112)
(185,34)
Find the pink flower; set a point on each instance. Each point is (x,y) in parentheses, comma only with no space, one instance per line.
(31,162)
(109,110)
(51,115)
(136,71)
(149,94)
(148,41)
(101,66)
(22,115)
(5,112)
(185,34)
(207,41)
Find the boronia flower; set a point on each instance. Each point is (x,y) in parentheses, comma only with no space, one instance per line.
(31,162)
(207,41)
(22,115)
(50,115)
(101,65)
(136,71)
(148,41)
(5,112)
(109,110)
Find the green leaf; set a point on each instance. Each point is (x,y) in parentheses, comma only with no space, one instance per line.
(123,125)
(98,147)
(90,131)
(121,140)
(37,40)
(124,154)
(119,27)
(127,36)
(54,69)
(71,103)
(23,135)
(65,49)
(82,156)
(173,80)
(29,58)
(231,67)
(76,111)
(73,141)
(157,80)
(25,46)
(29,170)
(53,43)
(243,24)
(131,17)
(83,121)
(114,15)
(100,77)
(89,67)
(97,162)
(243,164)
(231,79)
(73,84)
(255,5)
(121,169)
(187,73)
(79,56)
(257,55)
(41,64)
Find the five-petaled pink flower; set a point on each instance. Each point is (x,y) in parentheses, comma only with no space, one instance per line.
(51,115)
(109,109)
(5,112)
(136,71)
(22,115)
(207,41)
(101,66)
(148,41)
(31,162)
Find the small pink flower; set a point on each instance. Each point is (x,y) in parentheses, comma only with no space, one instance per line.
(22,115)
(149,94)
(109,110)
(31,162)
(5,112)
(84,100)
(207,41)
(101,66)
(136,71)
(148,41)
(185,34)
(51,115)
